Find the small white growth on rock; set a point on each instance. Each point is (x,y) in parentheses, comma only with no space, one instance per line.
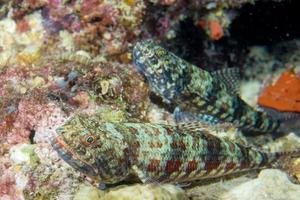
(66,40)
(21,153)
(249,92)
(21,181)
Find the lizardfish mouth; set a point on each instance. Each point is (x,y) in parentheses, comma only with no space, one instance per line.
(71,158)
(141,52)
(137,53)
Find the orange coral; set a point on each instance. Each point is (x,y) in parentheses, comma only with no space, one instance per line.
(284,95)
(213,28)
(216,29)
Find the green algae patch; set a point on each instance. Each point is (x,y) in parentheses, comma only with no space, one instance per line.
(25,153)
(106,113)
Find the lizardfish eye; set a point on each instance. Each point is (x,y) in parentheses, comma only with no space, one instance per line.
(89,139)
(161,52)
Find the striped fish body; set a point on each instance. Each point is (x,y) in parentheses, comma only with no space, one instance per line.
(195,90)
(114,152)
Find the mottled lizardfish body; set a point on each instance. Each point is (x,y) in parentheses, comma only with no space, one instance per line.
(113,151)
(195,90)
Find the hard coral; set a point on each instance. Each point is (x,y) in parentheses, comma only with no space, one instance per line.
(96,11)
(109,27)
(121,86)
(20,40)
(284,95)
(59,18)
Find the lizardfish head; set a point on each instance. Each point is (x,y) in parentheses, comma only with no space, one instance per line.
(148,57)
(86,145)
(163,70)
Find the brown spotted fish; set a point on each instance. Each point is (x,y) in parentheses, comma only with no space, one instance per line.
(113,152)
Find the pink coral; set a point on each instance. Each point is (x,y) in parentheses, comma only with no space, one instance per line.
(54,3)
(29,114)
(52,118)
(164,23)
(167,2)
(21,112)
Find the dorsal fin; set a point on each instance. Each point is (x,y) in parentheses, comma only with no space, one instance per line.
(196,127)
(182,116)
(192,126)
(230,77)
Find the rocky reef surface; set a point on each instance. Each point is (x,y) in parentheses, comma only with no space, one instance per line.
(60,58)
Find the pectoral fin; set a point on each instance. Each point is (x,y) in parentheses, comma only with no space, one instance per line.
(144,178)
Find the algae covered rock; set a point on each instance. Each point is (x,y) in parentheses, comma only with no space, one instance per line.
(88,193)
(24,153)
(133,192)
(271,184)
(146,192)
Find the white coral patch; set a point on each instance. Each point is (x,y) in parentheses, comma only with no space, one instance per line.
(21,153)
